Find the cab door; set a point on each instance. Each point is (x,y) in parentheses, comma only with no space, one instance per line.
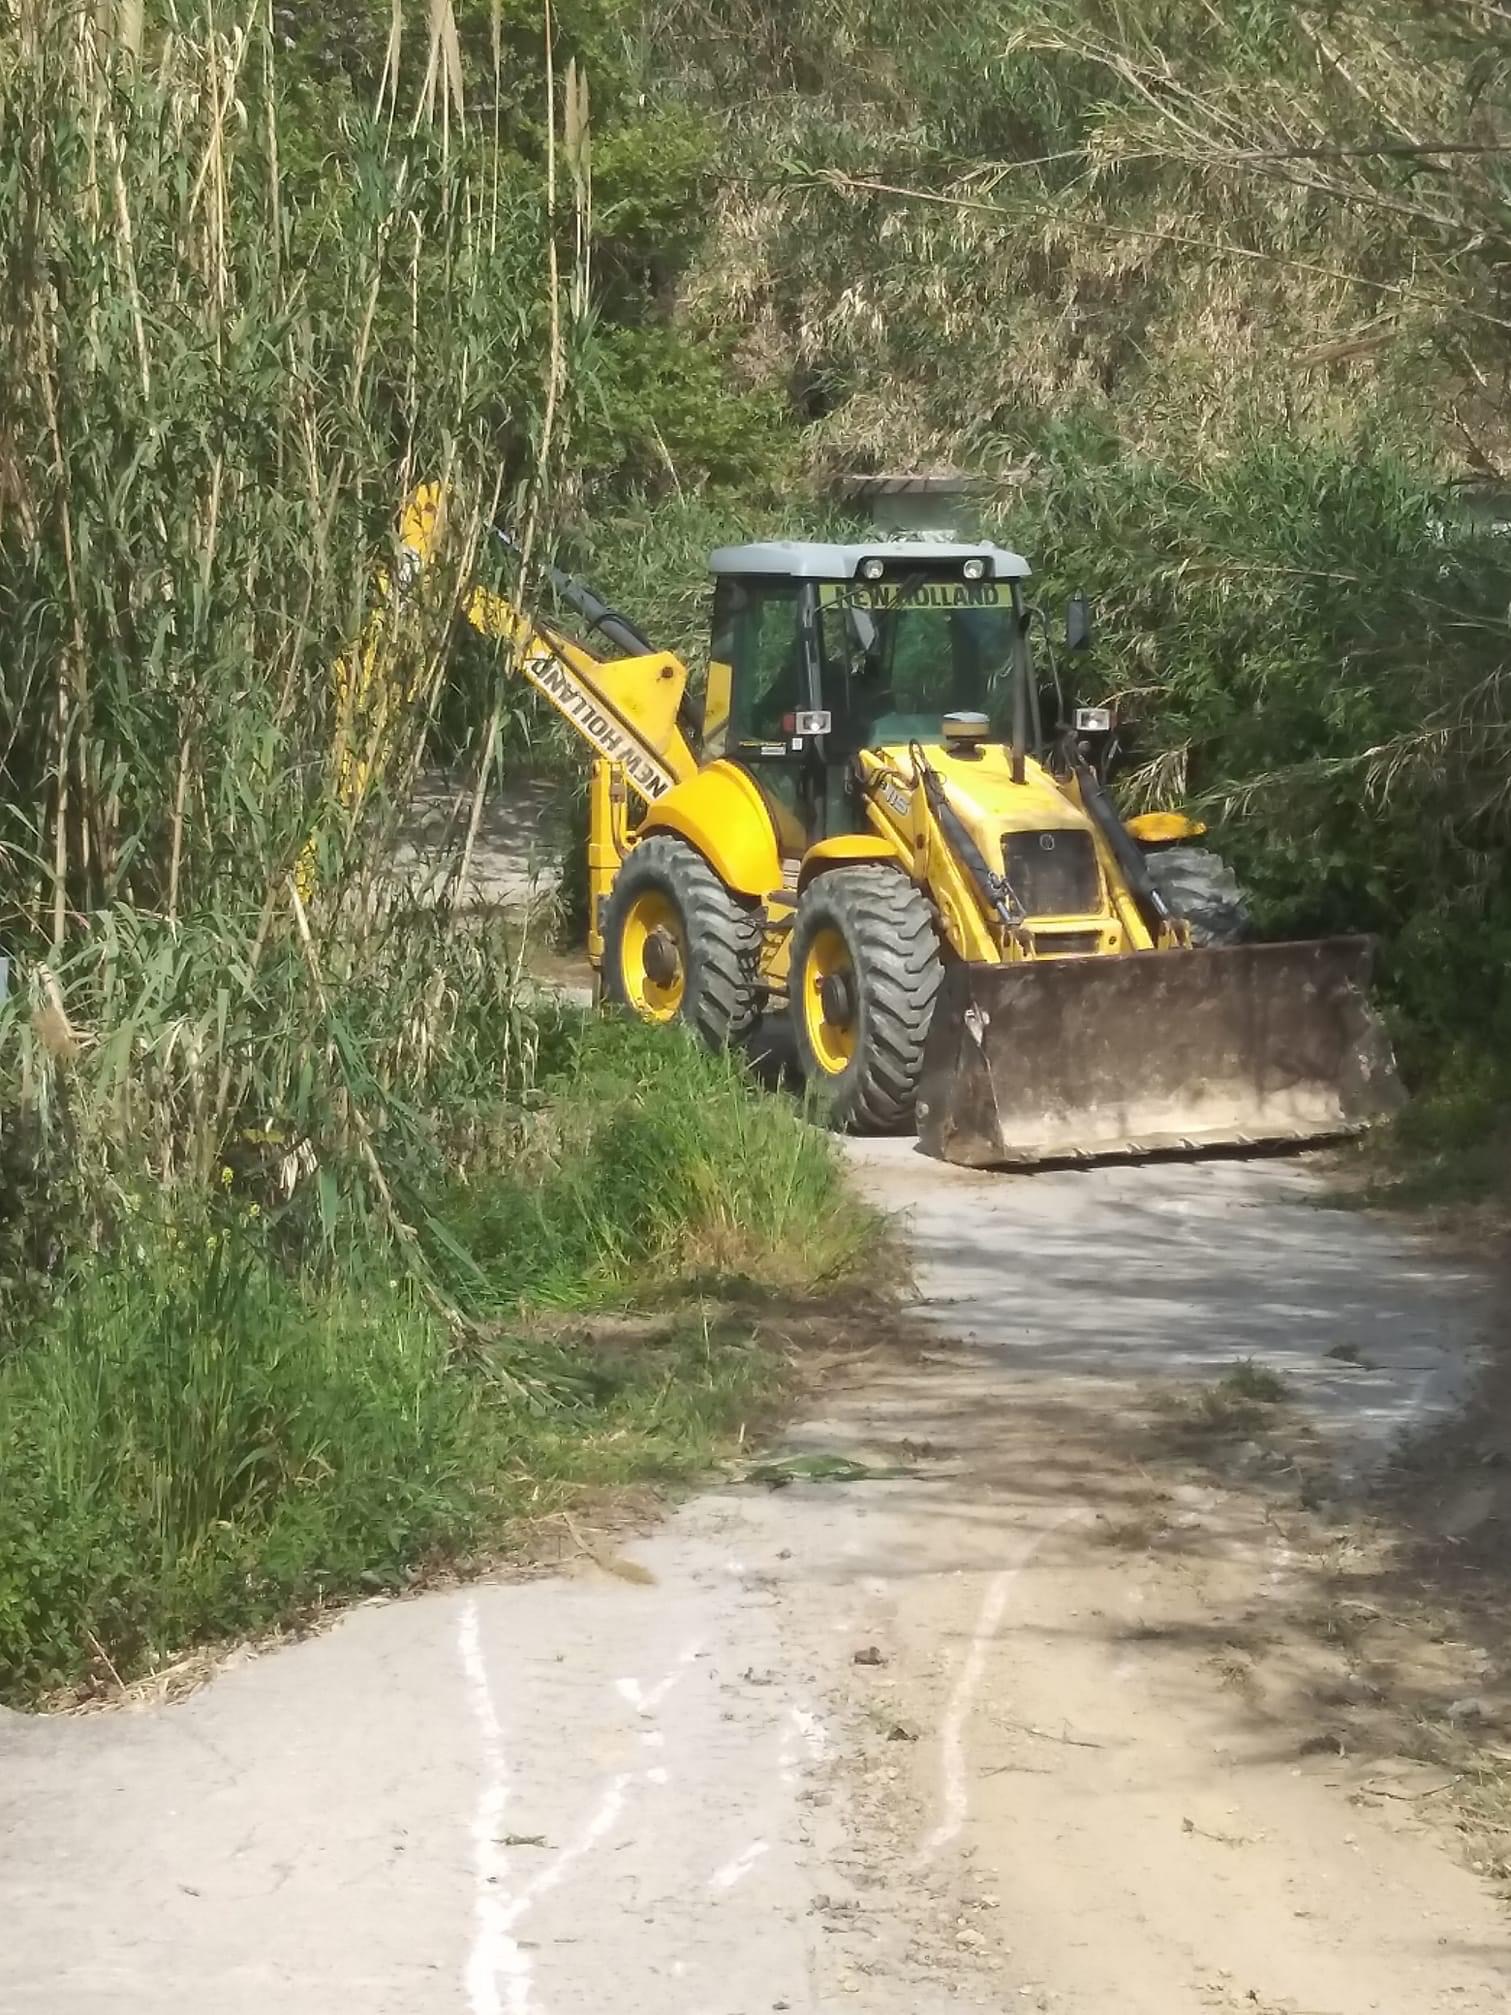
(762,676)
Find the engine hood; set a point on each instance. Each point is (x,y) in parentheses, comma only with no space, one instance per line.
(982,791)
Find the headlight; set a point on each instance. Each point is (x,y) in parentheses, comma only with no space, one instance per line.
(872,570)
(974,570)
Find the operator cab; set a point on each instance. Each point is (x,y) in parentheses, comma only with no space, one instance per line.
(819,651)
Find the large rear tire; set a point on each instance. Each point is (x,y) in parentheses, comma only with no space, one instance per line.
(678,945)
(865,969)
(1200,887)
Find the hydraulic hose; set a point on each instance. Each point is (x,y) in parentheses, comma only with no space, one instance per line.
(1103,814)
(614,628)
(996,889)
(594,610)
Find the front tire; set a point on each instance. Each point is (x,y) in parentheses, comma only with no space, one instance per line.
(1201,888)
(864,971)
(678,945)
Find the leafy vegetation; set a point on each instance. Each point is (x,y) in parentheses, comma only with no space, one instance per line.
(198,1439)
(1307,659)
(287,1155)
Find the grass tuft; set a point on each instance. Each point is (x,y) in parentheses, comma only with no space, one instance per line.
(655,1157)
(1238,1404)
(1248,1380)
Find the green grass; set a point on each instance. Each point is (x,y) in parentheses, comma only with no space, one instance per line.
(195,1452)
(1253,1382)
(1451,1147)
(199,1441)
(1238,1404)
(196,1446)
(653,1157)
(1447,1153)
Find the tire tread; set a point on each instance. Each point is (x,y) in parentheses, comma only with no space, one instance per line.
(895,944)
(723,934)
(1202,889)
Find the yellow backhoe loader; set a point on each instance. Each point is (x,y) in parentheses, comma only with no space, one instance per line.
(870,826)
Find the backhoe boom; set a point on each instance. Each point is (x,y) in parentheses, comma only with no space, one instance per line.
(628,710)
(625,709)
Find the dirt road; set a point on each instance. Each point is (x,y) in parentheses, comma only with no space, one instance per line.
(1034,1724)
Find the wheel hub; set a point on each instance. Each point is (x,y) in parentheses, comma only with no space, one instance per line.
(836,993)
(663,961)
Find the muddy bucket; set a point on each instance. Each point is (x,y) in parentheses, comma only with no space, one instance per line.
(1069,1059)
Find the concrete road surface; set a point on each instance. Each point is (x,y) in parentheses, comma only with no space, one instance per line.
(897,1746)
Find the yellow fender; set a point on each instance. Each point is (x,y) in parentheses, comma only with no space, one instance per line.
(848,850)
(1156,829)
(722,814)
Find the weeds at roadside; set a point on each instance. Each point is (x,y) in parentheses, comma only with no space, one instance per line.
(202,1453)
(654,1157)
(1248,1380)
(1449,1151)
(1238,1404)
(199,1439)
(1142,1528)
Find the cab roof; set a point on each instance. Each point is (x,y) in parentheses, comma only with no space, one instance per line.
(805,560)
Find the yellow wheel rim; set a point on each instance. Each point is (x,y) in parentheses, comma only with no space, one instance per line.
(830,1023)
(653,957)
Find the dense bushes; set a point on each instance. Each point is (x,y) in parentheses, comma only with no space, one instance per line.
(1308,639)
(198,1438)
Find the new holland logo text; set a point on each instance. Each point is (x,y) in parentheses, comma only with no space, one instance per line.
(601,729)
(884,595)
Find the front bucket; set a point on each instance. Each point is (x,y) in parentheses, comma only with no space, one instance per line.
(1056,1059)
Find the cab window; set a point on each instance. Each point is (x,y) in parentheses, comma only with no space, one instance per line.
(758,634)
(895,661)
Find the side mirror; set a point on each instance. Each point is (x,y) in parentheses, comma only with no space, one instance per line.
(1078,622)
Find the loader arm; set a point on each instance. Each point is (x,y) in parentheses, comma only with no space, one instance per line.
(625,709)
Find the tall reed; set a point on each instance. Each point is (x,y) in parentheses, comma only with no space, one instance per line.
(227,364)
